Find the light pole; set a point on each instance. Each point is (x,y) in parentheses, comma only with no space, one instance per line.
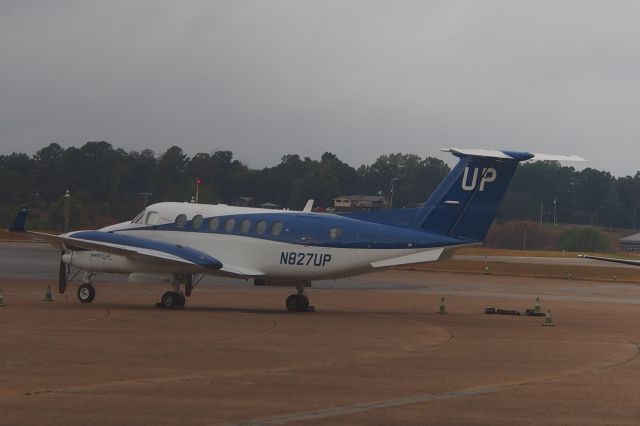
(541,210)
(146,196)
(67,210)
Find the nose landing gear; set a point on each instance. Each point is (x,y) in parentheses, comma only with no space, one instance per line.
(86,292)
(299,302)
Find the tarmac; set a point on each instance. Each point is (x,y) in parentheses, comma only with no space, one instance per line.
(374,352)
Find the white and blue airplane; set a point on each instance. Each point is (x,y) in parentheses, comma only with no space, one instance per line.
(187,241)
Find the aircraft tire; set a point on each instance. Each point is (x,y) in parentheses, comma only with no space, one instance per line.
(297,303)
(172,300)
(86,293)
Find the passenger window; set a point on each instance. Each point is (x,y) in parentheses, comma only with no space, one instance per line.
(261,226)
(152,218)
(230,224)
(276,228)
(196,222)
(214,224)
(335,233)
(245,225)
(181,221)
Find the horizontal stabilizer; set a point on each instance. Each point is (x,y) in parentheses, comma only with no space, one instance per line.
(555,157)
(511,155)
(420,257)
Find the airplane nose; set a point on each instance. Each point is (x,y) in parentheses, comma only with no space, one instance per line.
(66,258)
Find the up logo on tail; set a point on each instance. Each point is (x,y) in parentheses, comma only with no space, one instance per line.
(486,176)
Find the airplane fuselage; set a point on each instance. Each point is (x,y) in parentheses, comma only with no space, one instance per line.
(277,244)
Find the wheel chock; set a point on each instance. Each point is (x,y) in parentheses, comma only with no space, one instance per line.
(507,312)
(47,296)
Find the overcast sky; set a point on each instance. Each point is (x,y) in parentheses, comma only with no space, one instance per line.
(356,78)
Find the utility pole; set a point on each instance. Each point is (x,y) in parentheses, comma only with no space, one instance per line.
(555,205)
(541,210)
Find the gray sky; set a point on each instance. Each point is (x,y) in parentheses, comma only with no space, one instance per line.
(356,78)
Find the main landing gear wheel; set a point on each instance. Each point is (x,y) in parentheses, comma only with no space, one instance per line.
(297,303)
(172,300)
(86,293)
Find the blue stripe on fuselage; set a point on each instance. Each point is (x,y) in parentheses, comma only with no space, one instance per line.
(312,229)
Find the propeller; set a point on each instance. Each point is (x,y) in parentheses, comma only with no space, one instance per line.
(63,275)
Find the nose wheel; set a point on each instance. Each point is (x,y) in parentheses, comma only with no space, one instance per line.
(86,293)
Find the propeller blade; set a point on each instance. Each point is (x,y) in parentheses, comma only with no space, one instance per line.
(63,275)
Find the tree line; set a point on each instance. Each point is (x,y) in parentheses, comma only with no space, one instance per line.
(108,184)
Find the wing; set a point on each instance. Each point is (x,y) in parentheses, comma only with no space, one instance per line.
(612,259)
(134,248)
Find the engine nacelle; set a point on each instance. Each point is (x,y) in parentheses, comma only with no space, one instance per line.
(96,261)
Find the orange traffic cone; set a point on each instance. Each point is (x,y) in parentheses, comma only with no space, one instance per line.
(443,309)
(47,296)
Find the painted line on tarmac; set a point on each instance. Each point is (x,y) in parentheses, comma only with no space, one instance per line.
(362,407)
(324,413)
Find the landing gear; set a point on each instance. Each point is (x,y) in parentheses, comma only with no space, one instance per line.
(175,299)
(299,302)
(86,293)
(172,300)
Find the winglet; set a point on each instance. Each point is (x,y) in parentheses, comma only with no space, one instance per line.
(18,224)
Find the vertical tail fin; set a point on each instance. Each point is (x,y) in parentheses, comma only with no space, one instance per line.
(465,203)
(18,224)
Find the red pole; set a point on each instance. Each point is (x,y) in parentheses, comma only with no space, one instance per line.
(198,182)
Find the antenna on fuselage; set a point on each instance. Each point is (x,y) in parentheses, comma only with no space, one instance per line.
(309,206)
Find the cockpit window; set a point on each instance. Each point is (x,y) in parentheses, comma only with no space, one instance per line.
(152,218)
(138,219)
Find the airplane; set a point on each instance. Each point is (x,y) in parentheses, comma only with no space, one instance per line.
(188,241)
(611,259)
